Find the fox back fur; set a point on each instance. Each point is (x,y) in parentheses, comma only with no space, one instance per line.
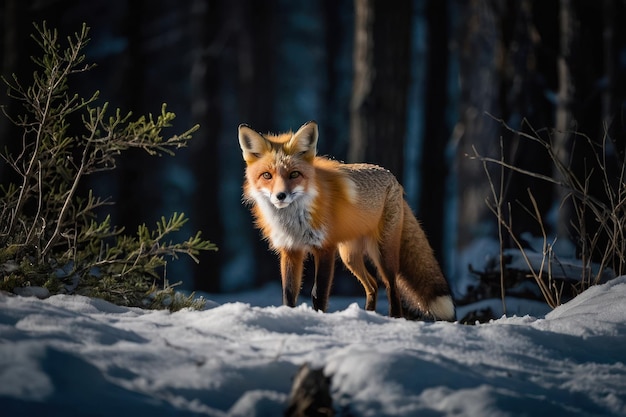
(306,204)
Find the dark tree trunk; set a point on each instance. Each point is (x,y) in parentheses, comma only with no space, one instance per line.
(479,41)
(132,169)
(381,78)
(204,101)
(564,122)
(587,31)
(614,109)
(523,104)
(434,166)
(334,135)
(13,40)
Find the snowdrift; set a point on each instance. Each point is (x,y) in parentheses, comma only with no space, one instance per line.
(71,355)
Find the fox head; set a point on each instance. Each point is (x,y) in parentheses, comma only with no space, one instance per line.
(279,167)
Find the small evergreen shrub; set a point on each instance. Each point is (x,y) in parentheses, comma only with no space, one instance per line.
(50,235)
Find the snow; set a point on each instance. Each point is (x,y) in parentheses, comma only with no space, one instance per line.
(71,355)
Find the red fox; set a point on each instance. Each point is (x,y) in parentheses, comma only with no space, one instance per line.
(306,204)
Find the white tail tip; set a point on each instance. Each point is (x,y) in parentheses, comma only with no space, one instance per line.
(442,308)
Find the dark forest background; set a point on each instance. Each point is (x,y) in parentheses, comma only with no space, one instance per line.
(406,84)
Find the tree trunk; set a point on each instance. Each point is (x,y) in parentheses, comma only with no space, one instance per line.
(563,117)
(15,47)
(523,104)
(436,132)
(381,65)
(480,41)
(613,109)
(204,109)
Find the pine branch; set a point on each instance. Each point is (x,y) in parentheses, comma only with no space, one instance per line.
(62,232)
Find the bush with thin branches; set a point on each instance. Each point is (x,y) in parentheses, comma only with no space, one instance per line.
(602,247)
(50,234)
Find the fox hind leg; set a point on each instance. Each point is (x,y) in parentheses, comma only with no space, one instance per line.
(352,255)
(388,272)
(387,258)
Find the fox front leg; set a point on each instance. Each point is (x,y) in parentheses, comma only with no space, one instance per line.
(291,265)
(324,272)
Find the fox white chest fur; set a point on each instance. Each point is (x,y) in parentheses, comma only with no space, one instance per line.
(291,226)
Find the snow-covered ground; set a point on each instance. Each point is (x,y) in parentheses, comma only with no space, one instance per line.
(75,356)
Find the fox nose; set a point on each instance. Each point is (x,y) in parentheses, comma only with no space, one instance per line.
(281,196)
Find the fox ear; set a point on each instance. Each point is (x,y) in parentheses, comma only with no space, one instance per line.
(252,143)
(304,141)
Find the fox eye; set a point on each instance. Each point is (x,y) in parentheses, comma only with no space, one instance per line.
(294,174)
(266,175)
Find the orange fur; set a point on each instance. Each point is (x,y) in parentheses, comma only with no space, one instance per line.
(307,204)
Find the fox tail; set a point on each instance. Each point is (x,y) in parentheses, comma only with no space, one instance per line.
(421,283)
